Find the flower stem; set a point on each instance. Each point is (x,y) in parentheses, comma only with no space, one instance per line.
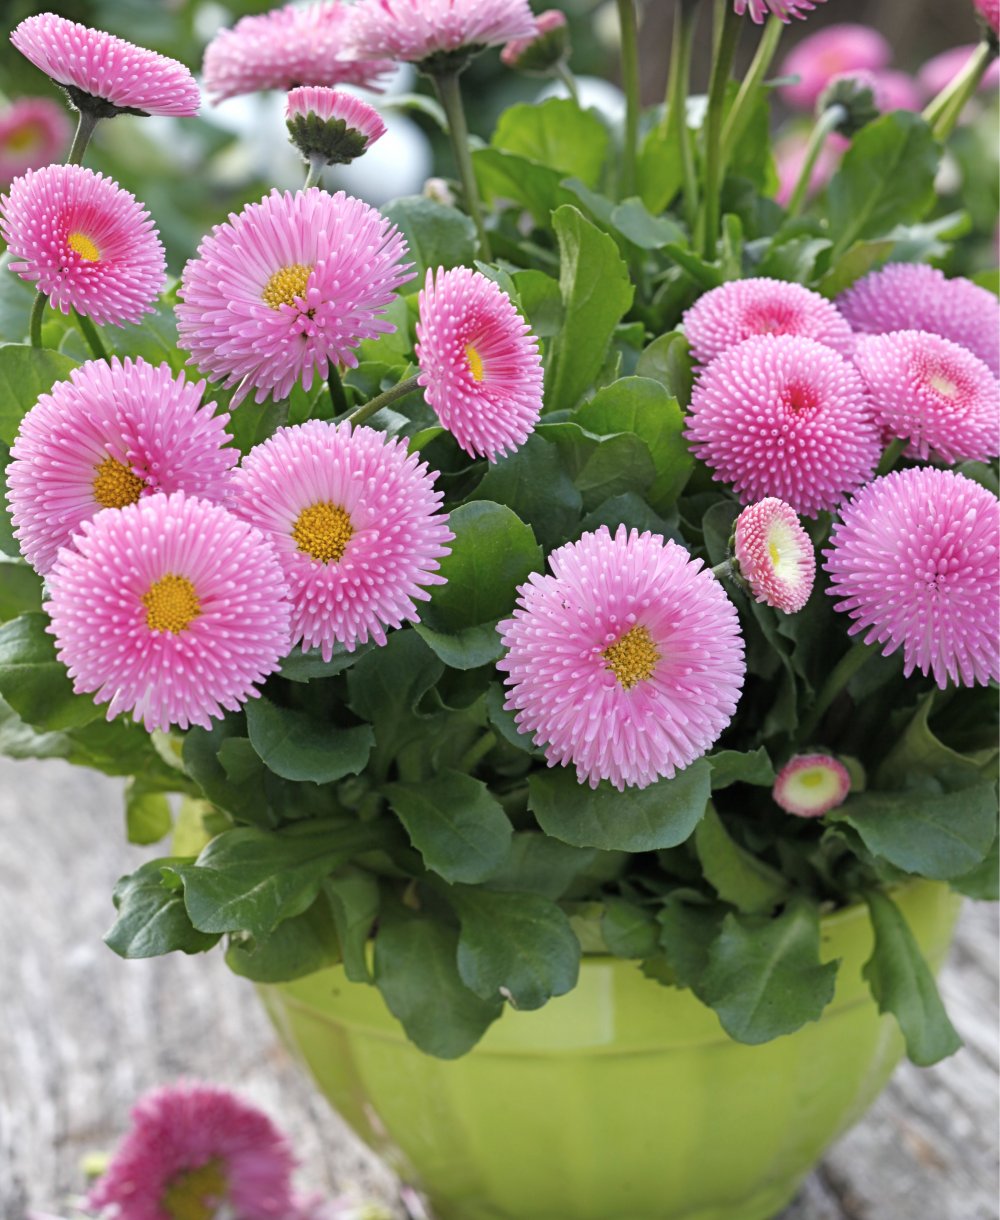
(675,125)
(383,400)
(727,36)
(564,73)
(337,396)
(630,79)
(35,324)
(477,752)
(89,332)
(891,456)
(837,679)
(944,111)
(450,97)
(84,130)
(315,172)
(739,116)
(827,122)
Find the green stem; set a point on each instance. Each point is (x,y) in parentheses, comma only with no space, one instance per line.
(838,678)
(337,396)
(891,456)
(945,110)
(84,130)
(89,332)
(739,116)
(450,96)
(675,123)
(315,173)
(630,81)
(383,400)
(728,37)
(563,73)
(826,123)
(477,752)
(35,323)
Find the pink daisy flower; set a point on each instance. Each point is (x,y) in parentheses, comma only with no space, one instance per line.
(110,435)
(335,127)
(740,309)
(760,10)
(914,564)
(989,10)
(914,296)
(33,132)
(198,1150)
(810,785)
(287,47)
(626,662)
(355,522)
(479,364)
(544,49)
(934,393)
(170,608)
(287,288)
(774,555)
(94,65)
(86,243)
(818,57)
(784,416)
(417,30)
(939,71)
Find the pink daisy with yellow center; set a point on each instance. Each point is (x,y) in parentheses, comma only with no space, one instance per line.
(356,525)
(84,242)
(170,608)
(479,364)
(33,132)
(331,126)
(104,74)
(760,10)
(626,662)
(774,555)
(914,562)
(287,47)
(287,288)
(810,785)
(107,437)
(423,31)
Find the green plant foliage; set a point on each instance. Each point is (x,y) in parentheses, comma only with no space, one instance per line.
(557,134)
(436,235)
(26,373)
(300,945)
(151,915)
(34,682)
(736,875)
(148,817)
(299,747)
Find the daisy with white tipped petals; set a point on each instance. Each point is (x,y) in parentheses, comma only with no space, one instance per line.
(774,555)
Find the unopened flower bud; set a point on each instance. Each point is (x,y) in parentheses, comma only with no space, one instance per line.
(546,48)
(331,126)
(857,94)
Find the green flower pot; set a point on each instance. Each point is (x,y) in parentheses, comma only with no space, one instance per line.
(623,1100)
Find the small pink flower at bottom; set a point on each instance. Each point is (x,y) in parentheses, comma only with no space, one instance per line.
(170,608)
(759,10)
(626,662)
(774,555)
(810,785)
(33,132)
(479,364)
(198,1150)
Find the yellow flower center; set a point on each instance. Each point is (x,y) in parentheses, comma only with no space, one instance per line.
(775,554)
(475,362)
(633,658)
(171,604)
(115,485)
(196,1195)
(26,137)
(323,531)
(82,245)
(285,285)
(813,778)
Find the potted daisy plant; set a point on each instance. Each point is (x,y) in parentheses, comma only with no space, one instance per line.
(549,622)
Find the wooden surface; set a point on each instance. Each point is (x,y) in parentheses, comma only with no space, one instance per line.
(82,1033)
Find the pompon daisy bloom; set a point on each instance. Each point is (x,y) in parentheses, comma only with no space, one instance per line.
(198,1150)
(784,416)
(914,296)
(989,10)
(171,608)
(817,58)
(287,288)
(547,47)
(932,392)
(33,131)
(740,309)
(356,526)
(810,785)
(626,662)
(479,364)
(85,242)
(914,562)
(287,47)
(110,435)
(435,32)
(760,10)
(774,555)
(102,74)
(331,126)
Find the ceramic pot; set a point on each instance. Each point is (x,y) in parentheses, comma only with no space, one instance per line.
(623,1100)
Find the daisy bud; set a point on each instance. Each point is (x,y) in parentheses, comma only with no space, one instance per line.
(544,50)
(331,127)
(856,93)
(810,785)
(773,555)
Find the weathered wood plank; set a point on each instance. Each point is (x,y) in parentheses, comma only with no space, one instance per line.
(82,1034)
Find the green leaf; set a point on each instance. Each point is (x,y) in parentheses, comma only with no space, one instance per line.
(938,835)
(541,303)
(417,973)
(555,133)
(596,291)
(601,467)
(460,830)
(668,361)
(902,983)
(506,176)
(919,753)
(850,266)
(516,946)
(148,817)
(206,753)
(20,587)
(297,746)
(636,224)
(466,649)
(689,925)
(736,876)
(744,767)
(633,512)
(151,916)
(765,977)
(26,373)
(301,666)
(638,819)
(385,687)
(886,178)
(537,864)
(299,946)
(354,900)
(534,483)
(34,682)
(982,882)
(661,164)
(629,930)
(436,235)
